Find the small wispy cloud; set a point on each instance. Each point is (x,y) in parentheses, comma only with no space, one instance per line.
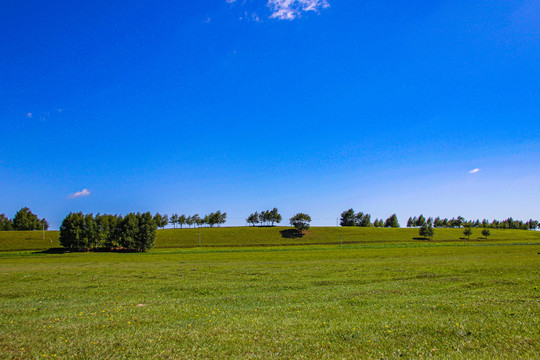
(291,9)
(29,115)
(474,171)
(283,9)
(78,194)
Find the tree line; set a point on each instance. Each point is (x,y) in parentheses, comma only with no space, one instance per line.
(350,218)
(213,219)
(264,218)
(460,222)
(24,219)
(86,232)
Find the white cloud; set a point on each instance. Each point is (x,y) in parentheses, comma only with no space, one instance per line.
(230,1)
(78,194)
(474,171)
(29,115)
(291,9)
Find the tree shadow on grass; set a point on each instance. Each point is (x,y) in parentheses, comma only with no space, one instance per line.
(291,234)
(56,250)
(422,238)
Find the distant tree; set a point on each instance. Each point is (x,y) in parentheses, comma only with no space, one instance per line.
(174,220)
(426,231)
(348,218)
(392,221)
(358,218)
(71,232)
(222,218)
(90,232)
(365,221)
(107,230)
(182,220)
(5,223)
(190,220)
(437,222)
(129,229)
(24,219)
(532,224)
(146,234)
(410,222)
(44,224)
(253,218)
(429,221)
(467,232)
(275,217)
(161,220)
(300,221)
(197,220)
(486,232)
(421,221)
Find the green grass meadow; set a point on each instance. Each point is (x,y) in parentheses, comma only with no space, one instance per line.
(382,295)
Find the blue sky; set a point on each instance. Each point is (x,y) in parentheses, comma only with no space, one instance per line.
(313,106)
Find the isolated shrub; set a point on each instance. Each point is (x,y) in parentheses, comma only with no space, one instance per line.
(300,221)
(486,233)
(426,231)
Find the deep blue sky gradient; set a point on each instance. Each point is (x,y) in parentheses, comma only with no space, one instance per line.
(189,107)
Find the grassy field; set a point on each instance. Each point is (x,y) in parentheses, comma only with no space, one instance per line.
(385,296)
(275,236)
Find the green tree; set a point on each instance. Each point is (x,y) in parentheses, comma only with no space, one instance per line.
(182,220)
(174,220)
(365,221)
(24,219)
(5,223)
(410,222)
(467,232)
(129,231)
(161,220)
(426,231)
(90,232)
(253,218)
(275,217)
(348,218)
(190,220)
(300,221)
(146,234)
(486,232)
(392,221)
(72,232)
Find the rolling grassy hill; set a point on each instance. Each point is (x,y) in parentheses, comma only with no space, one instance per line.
(276,236)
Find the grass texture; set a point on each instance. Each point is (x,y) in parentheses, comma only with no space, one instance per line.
(404,299)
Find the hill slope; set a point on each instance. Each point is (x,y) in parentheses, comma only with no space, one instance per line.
(275,236)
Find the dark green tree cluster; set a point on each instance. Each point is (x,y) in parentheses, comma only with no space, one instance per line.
(5,223)
(300,221)
(350,218)
(135,232)
(460,222)
(24,219)
(264,218)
